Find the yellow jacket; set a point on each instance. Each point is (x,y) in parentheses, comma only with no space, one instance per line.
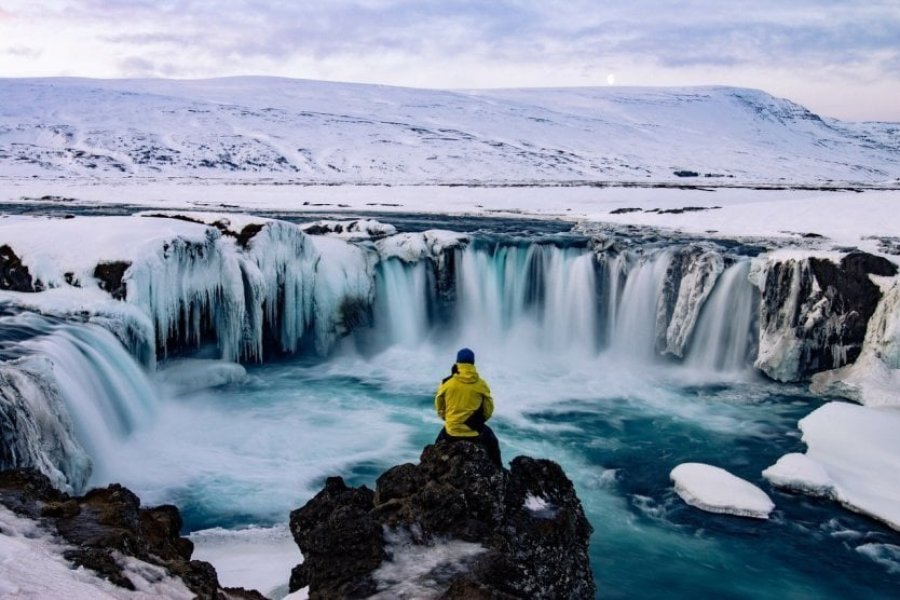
(460,396)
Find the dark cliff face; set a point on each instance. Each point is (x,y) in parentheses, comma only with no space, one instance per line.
(110,520)
(824,307)
(528,521)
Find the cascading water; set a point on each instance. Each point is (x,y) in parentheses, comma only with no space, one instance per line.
(635,327)
(519,298)
(723,338)
(261,448)
(506,296)
(90,392)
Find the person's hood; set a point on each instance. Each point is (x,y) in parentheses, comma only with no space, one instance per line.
(467,373)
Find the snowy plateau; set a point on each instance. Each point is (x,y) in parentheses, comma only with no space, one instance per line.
(244,285)
(262,128)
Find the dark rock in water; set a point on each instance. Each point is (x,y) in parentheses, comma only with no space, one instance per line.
(108,521)
(13,274)
(529,524)
(823,308)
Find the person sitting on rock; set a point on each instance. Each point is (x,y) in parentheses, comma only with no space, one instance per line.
(464,402)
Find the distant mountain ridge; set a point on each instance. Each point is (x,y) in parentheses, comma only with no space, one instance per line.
(259,128)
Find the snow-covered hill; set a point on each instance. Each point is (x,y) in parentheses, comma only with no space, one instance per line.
(295,130)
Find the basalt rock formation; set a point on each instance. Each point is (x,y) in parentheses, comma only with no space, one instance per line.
(107,523)
(815,313)
(523,531)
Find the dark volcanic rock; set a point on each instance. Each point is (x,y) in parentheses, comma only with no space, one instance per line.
(13,274)
(111,277)
(528,521)
(823,308)
(109,520)
(341,542)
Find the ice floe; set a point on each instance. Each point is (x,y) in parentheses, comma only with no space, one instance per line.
(716,490)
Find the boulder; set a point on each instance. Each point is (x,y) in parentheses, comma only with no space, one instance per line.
(109,522)
(520,533)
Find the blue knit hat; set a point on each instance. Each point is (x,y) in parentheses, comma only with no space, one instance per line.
(465,356)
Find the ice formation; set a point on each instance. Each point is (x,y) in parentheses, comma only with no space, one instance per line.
(716,490)
(850,452)
(798,472)
(235,277)
(874,378)
(689,282)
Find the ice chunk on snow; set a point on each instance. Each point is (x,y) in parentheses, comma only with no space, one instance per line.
(716,490)
(800,473)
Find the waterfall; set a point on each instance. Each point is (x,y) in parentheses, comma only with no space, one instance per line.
(723,338)
(404,318)
(74,392)
(635,328)
(536,300)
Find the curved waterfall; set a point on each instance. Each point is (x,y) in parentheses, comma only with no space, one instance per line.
(523,301)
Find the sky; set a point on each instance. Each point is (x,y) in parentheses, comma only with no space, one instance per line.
(840,58)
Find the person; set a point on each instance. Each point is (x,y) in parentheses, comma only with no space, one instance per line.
(464,402)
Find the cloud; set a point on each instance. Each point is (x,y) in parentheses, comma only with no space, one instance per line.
(444,43)
(24,52)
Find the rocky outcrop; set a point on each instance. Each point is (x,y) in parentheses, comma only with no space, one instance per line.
(519,533)
(106,524)
(13,274)
(814,313)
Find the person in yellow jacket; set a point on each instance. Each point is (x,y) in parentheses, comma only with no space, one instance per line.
(464,402)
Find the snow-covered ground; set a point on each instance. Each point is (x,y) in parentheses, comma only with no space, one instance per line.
(330,132)
(844,218)
(32,566)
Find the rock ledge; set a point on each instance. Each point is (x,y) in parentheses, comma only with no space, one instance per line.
(528,522)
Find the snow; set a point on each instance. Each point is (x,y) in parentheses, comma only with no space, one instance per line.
(798,472)
(412,247)
(355,230)
(257,558)
(852,451)
(312,131)
(33,567)
(45,245)
(716,490)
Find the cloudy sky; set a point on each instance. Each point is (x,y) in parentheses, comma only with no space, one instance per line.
(840,58)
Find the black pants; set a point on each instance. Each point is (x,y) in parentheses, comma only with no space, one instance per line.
(485,437)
